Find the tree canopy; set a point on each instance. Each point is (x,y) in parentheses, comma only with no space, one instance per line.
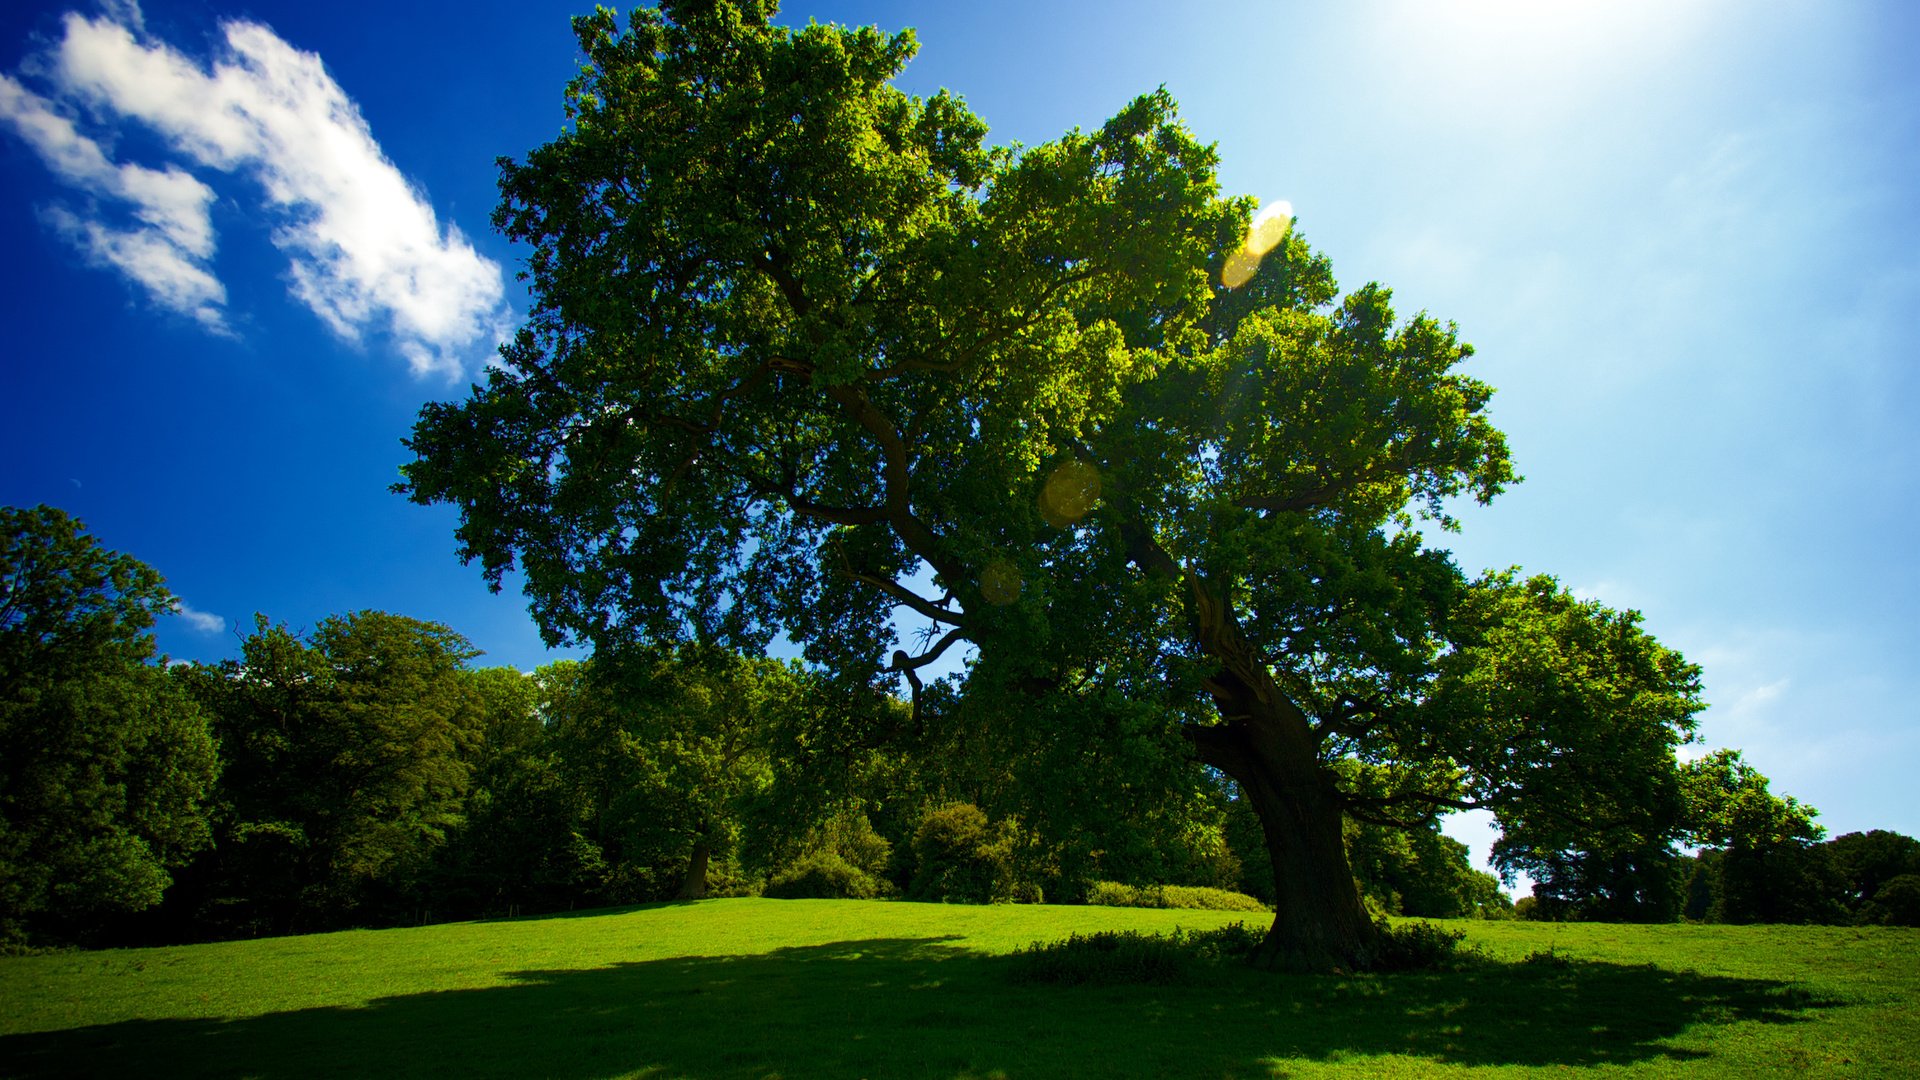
(105,764)
(807,353)
(347,753)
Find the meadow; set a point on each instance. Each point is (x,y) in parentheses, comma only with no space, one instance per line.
(824,988)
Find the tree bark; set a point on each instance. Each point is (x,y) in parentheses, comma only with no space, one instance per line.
(694,885)
(1267,745)
(1319,923)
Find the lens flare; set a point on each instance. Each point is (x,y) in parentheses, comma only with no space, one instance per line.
(1069,493)
(1000,583)
(1239,269)
(1268,228)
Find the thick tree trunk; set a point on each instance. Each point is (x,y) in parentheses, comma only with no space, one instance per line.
(1319,923)
(1267,745)
(694,885)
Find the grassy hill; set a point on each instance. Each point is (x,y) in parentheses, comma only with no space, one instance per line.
(768,988)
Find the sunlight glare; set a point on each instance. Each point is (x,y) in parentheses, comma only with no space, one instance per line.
(1268,228)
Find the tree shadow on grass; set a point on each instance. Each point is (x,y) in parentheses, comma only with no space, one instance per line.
(923,1007)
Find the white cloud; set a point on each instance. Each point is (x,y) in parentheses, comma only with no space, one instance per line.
(171,276)
(199,620)
(167,252)
(367,253)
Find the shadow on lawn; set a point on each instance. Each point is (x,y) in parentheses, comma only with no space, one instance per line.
(926,1008)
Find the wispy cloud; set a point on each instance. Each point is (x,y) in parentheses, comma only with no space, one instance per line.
(167,251)
(202,621)
(366,252)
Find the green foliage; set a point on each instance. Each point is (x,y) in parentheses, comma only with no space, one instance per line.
(1421,872)
(1141,810)
(1897,903)
(106,766)
(844,859)
(670,752)
(825,875)
(523,846)
(1866,862)
(956,856)
(1420,946)
(960,857)
(1764,862)
(348,759)
(1729,806)
(1115,957)
(1565,716)
(1115,894)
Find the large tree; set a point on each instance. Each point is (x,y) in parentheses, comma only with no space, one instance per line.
(807,353)
(105,764)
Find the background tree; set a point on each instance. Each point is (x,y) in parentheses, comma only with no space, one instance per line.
(523,845)
(105,765)
(700,721)
(1765,863)
(347,763)
(805,353)
(1867,864)
(1572,715)
(1422,873)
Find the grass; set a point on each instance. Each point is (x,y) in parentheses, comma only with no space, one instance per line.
(822,988)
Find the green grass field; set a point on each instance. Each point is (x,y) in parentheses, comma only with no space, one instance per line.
(817,988)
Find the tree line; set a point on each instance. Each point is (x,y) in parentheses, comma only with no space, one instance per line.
(366,773)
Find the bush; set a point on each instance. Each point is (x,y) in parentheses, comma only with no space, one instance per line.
(1189,897)
(959,857)
(954,859)
(825,875)
(850,834)
(1129,956)
(1421,946)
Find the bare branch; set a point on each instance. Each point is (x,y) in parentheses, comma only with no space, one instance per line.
(905,596)
(903,663)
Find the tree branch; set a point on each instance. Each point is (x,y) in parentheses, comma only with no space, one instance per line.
(907,665)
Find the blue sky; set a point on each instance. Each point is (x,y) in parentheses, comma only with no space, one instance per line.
(251,239)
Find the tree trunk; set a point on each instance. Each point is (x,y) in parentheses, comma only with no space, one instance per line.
(1319,923)
(1267,745)
(694,885)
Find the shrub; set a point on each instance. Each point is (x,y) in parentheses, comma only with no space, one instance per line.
(1190,897)
(850,834)
(954,857)
(1420,946)
(825,875)
(1550,957)
(1021,891)
(959,857)
(1129,956)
